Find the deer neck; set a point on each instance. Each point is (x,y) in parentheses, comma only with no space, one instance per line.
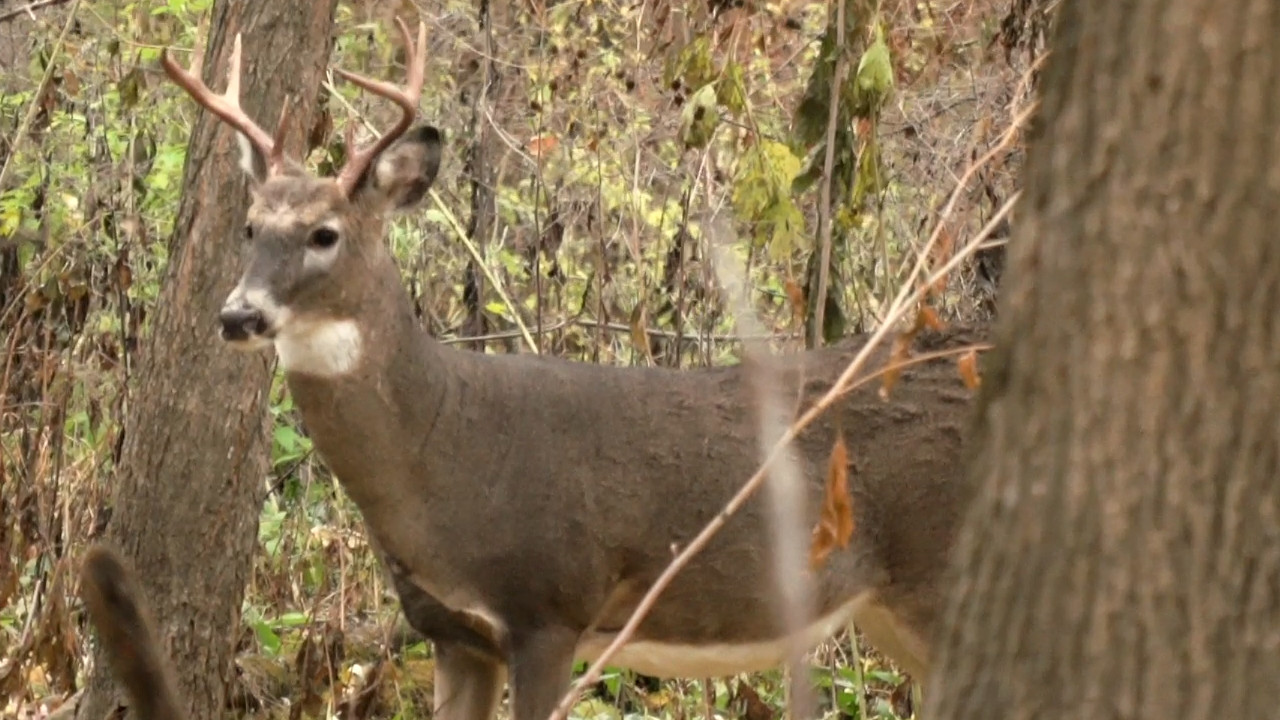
(370,390)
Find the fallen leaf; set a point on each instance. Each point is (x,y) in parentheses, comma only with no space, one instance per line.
(835,524)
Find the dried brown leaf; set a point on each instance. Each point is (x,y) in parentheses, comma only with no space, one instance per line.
(639,327)
(70,83)
(898,355)
(541,145)
(795,295)
(928,318)
(967,364)
(747,704)
(835,524)
(636,324)
(940,255)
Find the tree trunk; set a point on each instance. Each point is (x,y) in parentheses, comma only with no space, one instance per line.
(1122,558)
(483,175)
(186,502)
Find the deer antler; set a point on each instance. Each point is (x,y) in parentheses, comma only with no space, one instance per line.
(406,97)
(227,106)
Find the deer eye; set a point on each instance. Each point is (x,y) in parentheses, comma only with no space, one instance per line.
(323,238)
(248,231)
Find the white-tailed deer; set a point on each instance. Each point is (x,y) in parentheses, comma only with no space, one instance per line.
(117,611)
(524,504)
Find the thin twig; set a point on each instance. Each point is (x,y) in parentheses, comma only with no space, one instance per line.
(828,167)
(40,90)
(29,9)
(461,234)
(592,323)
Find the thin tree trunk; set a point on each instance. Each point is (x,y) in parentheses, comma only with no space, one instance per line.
(1122,558)
(484,177)
(190,481)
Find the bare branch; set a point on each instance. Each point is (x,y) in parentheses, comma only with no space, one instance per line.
(29,9)
(828,166)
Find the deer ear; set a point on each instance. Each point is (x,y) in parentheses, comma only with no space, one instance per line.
(402,174)
(251,161)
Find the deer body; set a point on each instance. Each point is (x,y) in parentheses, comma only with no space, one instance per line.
(523,505)
(529,492)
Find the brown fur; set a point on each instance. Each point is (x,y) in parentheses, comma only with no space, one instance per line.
(550,493)
(117,611)
(524,504)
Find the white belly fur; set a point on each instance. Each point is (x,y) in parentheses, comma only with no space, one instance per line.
(715,660)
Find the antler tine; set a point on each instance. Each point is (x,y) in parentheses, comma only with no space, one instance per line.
(227,105)
(406,97)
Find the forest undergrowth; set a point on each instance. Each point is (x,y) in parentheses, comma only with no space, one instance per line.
(584,141)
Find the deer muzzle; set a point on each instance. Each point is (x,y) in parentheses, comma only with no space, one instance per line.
(241,324)
(250,317)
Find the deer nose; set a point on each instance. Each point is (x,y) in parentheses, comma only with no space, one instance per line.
(241,323)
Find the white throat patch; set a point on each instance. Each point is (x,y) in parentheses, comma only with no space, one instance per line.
(326,348)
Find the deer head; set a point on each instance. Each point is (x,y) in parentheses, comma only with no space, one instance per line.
(313,242)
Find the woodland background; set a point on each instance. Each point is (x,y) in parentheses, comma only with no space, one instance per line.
(584,139)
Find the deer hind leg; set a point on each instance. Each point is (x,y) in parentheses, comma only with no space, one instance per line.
(903,642)
(541,665)
(468,685)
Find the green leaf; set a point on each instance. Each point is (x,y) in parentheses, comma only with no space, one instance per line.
(700,117)
(875,71)
(288,445)
(762,195)
(10,219)
(26,253)
(731,90)
(693,65)
(267,637)
(871,175)
(292,619)
(129,88)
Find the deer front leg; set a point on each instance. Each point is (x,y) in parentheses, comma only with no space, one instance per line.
(541,663)
(468,685)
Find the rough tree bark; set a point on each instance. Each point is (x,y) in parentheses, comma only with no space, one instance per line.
(481,169)
(186,502)
(1122,558)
